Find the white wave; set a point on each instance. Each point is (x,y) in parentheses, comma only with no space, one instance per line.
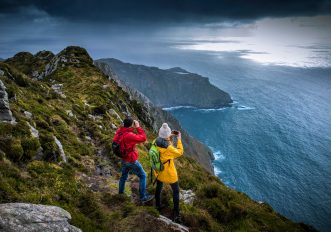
(218,155)
(217,171)
(245,108)
(211,110)
(193,107)
(178,107)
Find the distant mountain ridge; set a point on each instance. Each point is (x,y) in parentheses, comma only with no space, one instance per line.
(169,87)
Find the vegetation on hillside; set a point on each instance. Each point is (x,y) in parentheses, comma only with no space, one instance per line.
(84,119)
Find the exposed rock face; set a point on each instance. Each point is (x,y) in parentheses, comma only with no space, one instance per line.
(173,226)
(45,63)
(22,217)
(5,113)
(62,154)
(58,89)
(34,131)
(187,196)
(167,88)
(29,64)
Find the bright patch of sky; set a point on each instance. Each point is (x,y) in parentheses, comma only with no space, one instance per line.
(297,42)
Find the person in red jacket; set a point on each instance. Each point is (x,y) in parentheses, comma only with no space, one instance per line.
(130,160)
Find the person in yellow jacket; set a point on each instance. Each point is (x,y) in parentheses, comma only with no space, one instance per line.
(168,152)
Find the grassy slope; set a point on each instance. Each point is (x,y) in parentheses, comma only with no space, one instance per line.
(50,181)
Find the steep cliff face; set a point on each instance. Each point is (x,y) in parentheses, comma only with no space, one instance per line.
(167,88)
(57,153)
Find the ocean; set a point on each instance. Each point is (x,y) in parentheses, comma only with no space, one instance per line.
(274,142)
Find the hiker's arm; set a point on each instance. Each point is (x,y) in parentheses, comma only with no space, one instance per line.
(177,152)
(140,137)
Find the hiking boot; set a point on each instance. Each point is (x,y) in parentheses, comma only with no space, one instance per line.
(147,198)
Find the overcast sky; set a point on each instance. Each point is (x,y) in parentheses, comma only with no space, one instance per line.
(260,30)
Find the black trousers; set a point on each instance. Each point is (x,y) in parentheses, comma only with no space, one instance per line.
(175,195)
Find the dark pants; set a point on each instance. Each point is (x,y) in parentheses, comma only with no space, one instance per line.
(175,195)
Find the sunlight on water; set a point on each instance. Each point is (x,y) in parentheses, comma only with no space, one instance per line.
(296,42)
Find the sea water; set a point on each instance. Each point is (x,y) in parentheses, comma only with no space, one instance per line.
(274,142)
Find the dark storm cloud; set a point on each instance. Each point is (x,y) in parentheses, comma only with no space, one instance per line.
(170,10)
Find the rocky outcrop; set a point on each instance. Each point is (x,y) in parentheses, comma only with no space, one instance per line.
(5,113)
(187,196)
(58,89)
(30,64)
(171,225)
(167,88)
(45,63)
(61,151)
(22,217)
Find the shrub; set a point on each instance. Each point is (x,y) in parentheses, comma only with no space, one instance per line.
(41,123)
(235,212)
(99,110)
(21,129)
(50,149)
(199,220)
(30,147)
(210,191)
(15,150)
(2,155)
(6,129)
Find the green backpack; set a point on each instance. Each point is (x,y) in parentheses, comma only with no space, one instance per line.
(155,161)
(154,158)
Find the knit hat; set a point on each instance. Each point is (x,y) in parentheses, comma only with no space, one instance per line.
(164,131)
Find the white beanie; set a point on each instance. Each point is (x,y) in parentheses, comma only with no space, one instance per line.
(164,131)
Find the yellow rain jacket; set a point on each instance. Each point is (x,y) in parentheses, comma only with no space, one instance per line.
(169,173)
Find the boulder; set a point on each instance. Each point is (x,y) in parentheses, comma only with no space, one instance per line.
(59,145)
(172,225)
(23,217)
(187,196)
(112,112)
(28,114)
(5,113)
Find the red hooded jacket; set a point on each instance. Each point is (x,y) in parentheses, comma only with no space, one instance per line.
(130,140)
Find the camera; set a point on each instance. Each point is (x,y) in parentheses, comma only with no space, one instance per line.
(174,132)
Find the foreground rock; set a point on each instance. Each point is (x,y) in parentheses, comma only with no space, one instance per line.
(30,217)
(173,226)
(5,113)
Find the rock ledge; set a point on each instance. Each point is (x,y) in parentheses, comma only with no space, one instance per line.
(25,217)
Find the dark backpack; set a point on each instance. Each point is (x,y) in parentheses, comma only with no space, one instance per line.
(118,145)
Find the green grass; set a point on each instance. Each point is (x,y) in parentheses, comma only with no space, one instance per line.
(49,181)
